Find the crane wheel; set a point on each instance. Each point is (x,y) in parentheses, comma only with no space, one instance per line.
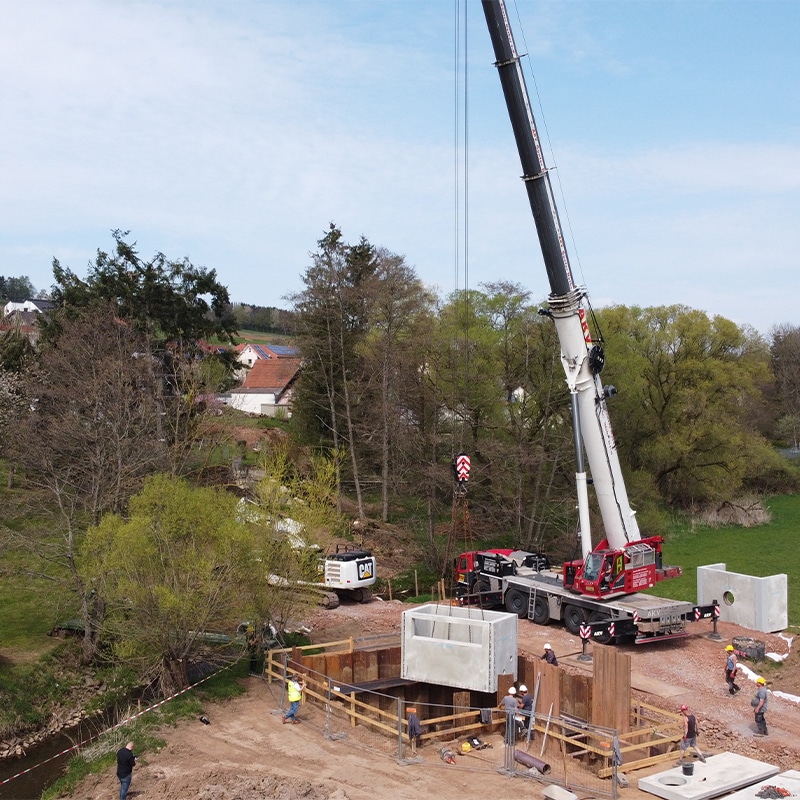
(574,617)
(517,603)
(541,611)
(482,588)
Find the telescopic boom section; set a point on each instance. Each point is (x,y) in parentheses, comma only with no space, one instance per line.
(582,360)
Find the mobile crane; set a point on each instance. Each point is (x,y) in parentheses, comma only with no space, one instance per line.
(603,587)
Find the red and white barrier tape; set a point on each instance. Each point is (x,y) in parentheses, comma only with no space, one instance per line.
(114,727)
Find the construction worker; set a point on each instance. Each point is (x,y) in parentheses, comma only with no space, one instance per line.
(689,735)
(525,705)
(759,703)
(509,704)
(731,668)
(294,694)
(549,656)
(414,729)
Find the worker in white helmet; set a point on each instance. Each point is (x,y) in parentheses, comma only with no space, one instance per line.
(549,656)
(525,704)
(510,706)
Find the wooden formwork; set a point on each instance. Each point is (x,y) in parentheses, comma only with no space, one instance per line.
(576,716)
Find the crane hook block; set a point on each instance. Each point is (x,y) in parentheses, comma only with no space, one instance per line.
(461,466)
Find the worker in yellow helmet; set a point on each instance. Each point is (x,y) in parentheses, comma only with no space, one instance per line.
(759,703)
(731,668)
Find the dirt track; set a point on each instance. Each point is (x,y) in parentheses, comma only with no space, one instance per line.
(246,753)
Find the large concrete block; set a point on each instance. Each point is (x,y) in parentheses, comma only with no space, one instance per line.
(466,648)
(756,603)
(788,781)
(721,774)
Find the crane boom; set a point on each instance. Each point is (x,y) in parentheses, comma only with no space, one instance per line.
(581,358)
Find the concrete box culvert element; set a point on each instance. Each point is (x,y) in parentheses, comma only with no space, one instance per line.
(466,648)
(756,603)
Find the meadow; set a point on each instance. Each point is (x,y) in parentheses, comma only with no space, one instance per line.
(760,551)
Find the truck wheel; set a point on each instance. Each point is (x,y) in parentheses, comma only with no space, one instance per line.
(574,617)
(541,611)
(481,590)
(600,616)
(517,603)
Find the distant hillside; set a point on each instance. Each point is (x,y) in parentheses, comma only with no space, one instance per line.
(260,337)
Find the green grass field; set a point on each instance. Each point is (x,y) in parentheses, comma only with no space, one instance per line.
(759,551)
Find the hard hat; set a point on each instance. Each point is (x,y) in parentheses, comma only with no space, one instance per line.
(523,687)
(729,648)
(411,711)
(761,681)
(465,747)
(512,690)
(547,647)
(684,708)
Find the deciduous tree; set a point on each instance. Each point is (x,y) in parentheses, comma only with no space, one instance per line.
(85,442)
(785,357)
(178,566)
(685,385)
(332,320)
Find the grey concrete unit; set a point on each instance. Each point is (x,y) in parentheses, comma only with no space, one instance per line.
(789,780)
(756,603)
(466,648)
(721,774)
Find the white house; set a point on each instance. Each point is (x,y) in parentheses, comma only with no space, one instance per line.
(267,390)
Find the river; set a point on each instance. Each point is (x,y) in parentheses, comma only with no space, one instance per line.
(46,761)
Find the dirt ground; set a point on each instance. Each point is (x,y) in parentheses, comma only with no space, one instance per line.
(246,752)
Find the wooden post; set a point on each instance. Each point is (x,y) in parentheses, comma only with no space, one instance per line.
(389,580)
(416,584)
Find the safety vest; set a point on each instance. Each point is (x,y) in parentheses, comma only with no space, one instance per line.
(293,692)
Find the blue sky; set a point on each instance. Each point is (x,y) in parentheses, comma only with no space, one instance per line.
(234,132)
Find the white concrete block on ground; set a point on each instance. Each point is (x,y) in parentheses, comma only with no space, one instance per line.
(757,603)
(554,792)
(789,781)
(721,774)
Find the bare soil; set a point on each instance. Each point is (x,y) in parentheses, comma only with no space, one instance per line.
(246,752)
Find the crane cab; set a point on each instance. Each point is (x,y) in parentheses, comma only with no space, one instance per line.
(609,572)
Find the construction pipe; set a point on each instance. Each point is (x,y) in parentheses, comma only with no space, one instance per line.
(531,761)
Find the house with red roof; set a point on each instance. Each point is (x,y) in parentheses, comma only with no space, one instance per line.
(268,387)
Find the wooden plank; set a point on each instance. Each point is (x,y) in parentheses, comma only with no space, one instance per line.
(607,772)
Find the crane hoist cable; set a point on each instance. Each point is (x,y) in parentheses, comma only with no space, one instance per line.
(460,460)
